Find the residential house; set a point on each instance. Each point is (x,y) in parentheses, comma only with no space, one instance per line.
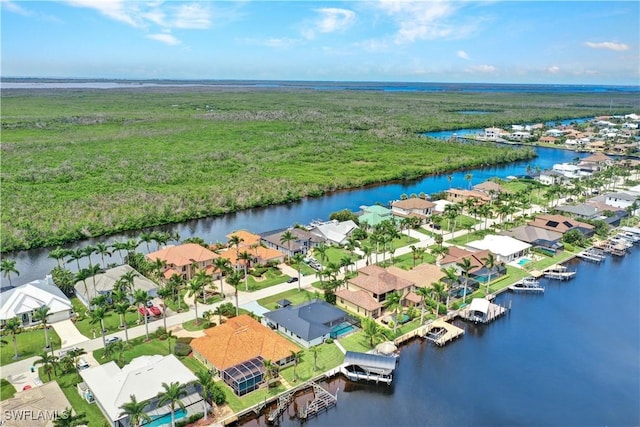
(561,224)
(478,273)
(105,283)
(552,177)
(456,195)
(252,244)
(557,133)
(422,276)
(596,162)
(621,200)
(310,323)
(490,188)
(366,293)
(545,240)
(548,139)
(335,231)
(506,248)
(494,133)
(374,215)
(185,260)
(303,242)
(22,302)
(35,407)
(413,207)
(237,349)
(113,387)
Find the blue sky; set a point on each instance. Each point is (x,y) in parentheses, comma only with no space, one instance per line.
(591,42)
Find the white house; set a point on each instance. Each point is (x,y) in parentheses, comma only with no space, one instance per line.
(506,248)
(554,132)
(112,387)
(105,283)
(334,231)
(620,200)
(22,301)
(550,177)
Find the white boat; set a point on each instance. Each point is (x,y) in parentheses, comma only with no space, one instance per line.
(559,272)
(528,284)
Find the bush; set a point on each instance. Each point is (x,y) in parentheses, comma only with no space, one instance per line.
(192,419)
(329,341)
(181,349)
(184,340)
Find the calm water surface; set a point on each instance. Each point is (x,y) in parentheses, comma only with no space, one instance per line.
(570,357)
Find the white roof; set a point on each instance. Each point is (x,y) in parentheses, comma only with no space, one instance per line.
(32,296)
(143,377)
(336,232)
(105,282)
(500,245)
(479,304)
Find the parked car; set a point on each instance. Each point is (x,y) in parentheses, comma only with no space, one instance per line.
(155,311)
(111,340)
(82,364)
(292,279)
(149,304)
(64,352)
(143,311)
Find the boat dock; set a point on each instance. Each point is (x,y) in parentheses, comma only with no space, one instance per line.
(322,401)
(593,255)
(559,272)
(440,332)
(528,284)
(482,311)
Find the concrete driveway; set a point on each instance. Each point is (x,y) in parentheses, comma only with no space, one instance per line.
(68,333)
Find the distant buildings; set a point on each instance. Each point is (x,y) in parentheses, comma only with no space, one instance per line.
(23,301)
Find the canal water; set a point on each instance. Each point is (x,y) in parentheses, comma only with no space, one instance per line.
(568,357)
(35,264)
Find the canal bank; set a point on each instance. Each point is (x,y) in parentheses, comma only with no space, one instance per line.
(565,357)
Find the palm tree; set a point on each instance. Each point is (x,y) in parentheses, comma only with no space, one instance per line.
(270,372)
(49,363)
(135,411)
(146,237)
(128,279)
(158,266)
(164,293)
(235,240)
(296,357)
(8,267)
(246,257)
(314,351)
(321,252)
(97,315)
(67,419)
(74,353)
(208,387)
(58,254)
(465,266)
(116,348)
(88,251)
(121,308)
(371,331)
(367,251)
(489,262)
(161,238)
(286,238)
(234,280)
(75,255)
(298,259)
(14,327)
(119,246)
(173,393)
(202,276)
(102,249)
(394,303)
(423,292)
(469,177)
(41,314)
(176,282)
(194,287)
(140,298)
(223,265)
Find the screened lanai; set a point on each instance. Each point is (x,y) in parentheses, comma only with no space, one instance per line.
(244,377)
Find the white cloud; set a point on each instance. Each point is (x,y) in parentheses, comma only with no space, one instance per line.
(481,69)
(10,6)
(554,69)
(273,42)
(192,16)
(462,54)
(331,20)
(422,20)
(119,10)
(164,38)
(607,45)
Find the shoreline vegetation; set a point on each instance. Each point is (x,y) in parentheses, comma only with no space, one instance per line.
(79,163)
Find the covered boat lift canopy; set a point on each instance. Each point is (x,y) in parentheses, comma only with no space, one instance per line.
(373,363)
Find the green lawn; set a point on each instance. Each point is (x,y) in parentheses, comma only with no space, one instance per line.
(406,261)
(190,325)
(469,237)
(258,396)
(395,244)
(30,343)
(461,222)
(335,254)
(7,390)
(355,342)
(305,270)
(192,363)
(329,356)
(293,295)
(270,278)
(549,261)
(138,347)
(111,320)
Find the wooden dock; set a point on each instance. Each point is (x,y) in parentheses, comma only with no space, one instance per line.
(322,401)
(440,332)
(494,311)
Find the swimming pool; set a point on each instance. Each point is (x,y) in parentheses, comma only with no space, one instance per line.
(342,329)
(523,261)
(166,418)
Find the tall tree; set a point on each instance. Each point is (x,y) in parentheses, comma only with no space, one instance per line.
(122,308)
(41,314)
(140,298)
(194,287)
(102,249)
(97,315)
(298,260)
(135,411)
(8,267)
(14,327)
(146,238)
(296,358)
(489,262)
(75,255)
(234,280)
(235,240)
(67,419)
(223,265)
(119,246)
(393,302)
(314,351)
(58,254)
(286,238)
(469,178)
(371,331)
(246,258)
(466,267)
(48,361)
(207,388)
(172,394)
(423,293)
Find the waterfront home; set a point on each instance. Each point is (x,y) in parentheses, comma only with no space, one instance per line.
(366,293)
(622,200)
(105,283)
(539,238)
(335,232)
(478,273)
(506,248)
(252,244)
(237,348)
(490,188)
(185,260)
(493,134)
(35,407)
(548,139)
(303,241)
(561,224)
(422,276)
(569,170)
(310,323)
(112,386)
(374,215)
(22,302)
(413,207)
(596,162)
(551,177)
(457,195)
(557,133)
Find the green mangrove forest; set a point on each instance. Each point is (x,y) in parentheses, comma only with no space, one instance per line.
(79,163)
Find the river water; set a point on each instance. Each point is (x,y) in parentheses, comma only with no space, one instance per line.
(568,357)
(35,264)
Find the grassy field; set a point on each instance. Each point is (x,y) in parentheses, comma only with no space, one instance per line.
(293,295)
(270,278)
(7,390)
(30,343)
(80,163)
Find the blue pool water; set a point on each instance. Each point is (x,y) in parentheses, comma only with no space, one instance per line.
(523,261)
(166,418)
(342,329)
